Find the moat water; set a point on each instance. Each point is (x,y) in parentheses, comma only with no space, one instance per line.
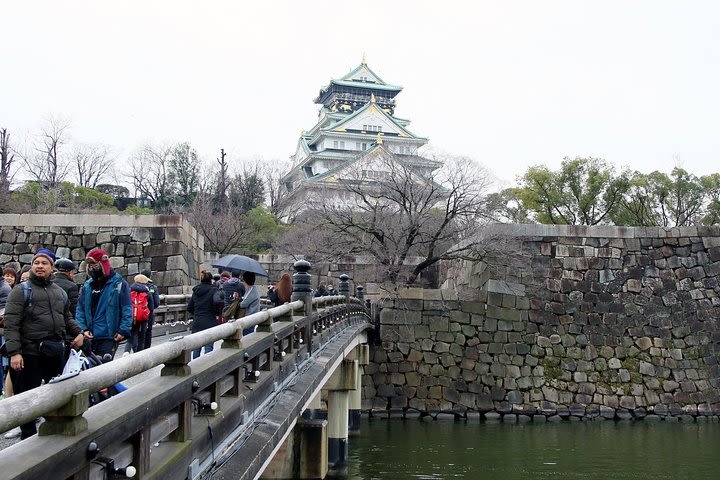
(413,449)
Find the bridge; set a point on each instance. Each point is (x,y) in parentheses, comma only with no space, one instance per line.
(247,410)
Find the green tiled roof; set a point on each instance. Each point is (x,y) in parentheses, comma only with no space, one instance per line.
(382,112)
(349,75)
(406,159)
(370,85)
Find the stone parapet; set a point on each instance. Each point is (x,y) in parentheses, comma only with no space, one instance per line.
(166,244)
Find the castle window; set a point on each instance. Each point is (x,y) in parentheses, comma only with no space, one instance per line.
(335,144)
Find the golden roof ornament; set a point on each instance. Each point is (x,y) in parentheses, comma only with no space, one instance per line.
(379,139)
(372,98)
(363,60)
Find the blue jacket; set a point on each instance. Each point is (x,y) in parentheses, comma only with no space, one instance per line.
(114,309)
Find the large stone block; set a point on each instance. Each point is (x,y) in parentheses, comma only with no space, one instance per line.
(439,324)
(171,278)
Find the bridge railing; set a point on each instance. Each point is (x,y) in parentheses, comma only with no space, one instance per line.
(171,316)
(22,408)
(129,426)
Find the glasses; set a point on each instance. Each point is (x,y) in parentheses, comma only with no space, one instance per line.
(93,266)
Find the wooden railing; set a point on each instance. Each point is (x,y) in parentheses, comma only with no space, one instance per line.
(172,317)
(149,425)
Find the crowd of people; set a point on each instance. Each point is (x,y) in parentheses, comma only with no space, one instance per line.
(44,313)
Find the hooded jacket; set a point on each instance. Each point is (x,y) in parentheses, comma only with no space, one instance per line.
(204,307)
(155,296)
(47,316)
(231,286)
(251,301)
(113,313)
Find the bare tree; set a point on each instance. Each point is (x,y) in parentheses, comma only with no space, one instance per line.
(272,173)
(222,180)
(397,208)
(92,163)
(7,158)
(46,161)
(224,230)
(149,175)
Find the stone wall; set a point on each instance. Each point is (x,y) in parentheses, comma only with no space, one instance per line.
(570,322)
(167,244)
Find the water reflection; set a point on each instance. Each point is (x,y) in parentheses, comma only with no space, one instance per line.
(412,449)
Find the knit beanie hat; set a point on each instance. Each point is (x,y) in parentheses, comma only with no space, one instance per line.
(99,256)
(147,273)
(44,252)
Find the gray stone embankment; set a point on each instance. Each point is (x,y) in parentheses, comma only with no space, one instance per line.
(620,324)
(166,244)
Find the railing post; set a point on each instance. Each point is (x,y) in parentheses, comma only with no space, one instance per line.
(360,292)
(344,285)
(345,292)
(302,281)
(178,366)
(67,420)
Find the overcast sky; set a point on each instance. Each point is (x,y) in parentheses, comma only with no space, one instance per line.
(509,83)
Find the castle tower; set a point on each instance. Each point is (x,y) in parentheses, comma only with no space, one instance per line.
(356,118)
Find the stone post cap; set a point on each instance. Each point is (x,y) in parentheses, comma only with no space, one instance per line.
(302,266)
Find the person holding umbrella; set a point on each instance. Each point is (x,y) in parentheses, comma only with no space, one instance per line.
(251,300)
(205,306)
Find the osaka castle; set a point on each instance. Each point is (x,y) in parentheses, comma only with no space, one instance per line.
(356,127)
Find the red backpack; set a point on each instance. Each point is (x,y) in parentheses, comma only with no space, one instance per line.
(140,308)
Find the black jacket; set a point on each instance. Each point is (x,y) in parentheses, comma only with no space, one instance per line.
(71,288)
(155,296)
(205,306)
(47,316)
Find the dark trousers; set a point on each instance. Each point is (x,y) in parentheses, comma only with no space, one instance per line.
(148,332)
(37,368)
(136,342)
(103,346)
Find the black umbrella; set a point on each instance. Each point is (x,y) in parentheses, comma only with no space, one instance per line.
(240,263)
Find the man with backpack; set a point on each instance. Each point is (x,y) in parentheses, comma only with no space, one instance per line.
(104,309)
(156,303)
(37,319)
(142,305)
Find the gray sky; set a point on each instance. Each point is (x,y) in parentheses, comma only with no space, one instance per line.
(511,84)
